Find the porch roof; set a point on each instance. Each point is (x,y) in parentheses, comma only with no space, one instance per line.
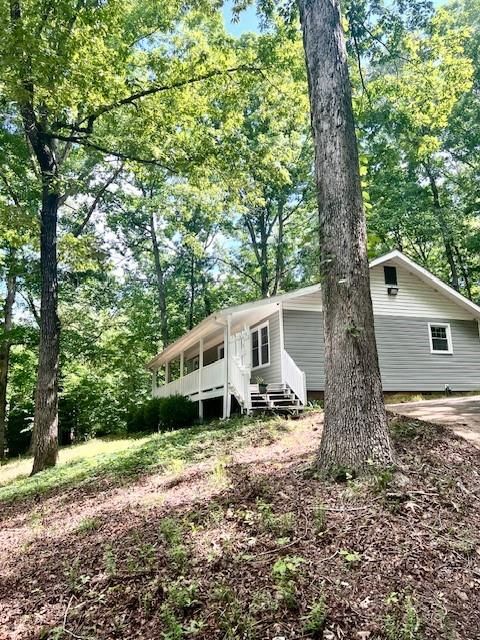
(246,313)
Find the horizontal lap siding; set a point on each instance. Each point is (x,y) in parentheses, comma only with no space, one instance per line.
(406,363)
(303,337)
(414,299)
(273,372)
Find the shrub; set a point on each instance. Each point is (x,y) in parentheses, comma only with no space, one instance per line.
(145,418)
(162,414)
(177,411)
(19,429)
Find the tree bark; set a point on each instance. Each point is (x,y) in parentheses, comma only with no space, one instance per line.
(45,428)
(355,434)
(192,292)
(5,350)
(444,230)
(160,277)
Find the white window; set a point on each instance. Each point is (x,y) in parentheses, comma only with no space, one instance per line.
(440,338)
(220,352)
(260,346)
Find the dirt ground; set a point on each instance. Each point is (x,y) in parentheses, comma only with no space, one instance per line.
(250,546)
(461,414)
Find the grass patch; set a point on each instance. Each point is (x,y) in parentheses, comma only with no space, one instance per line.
(125,457)
(400,398)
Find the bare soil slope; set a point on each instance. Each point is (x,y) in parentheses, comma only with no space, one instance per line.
(246,545)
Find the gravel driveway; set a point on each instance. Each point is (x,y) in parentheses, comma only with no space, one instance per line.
(462,413)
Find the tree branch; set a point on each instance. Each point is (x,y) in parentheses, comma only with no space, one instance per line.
(96,200)
(134,97)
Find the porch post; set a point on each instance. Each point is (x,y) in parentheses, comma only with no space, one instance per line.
(227,400)
(181,371)
(282,341)
(200,367)
(154,381)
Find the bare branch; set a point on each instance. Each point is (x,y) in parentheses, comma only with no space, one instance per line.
(96,200)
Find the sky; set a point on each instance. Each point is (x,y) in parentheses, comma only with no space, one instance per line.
(248,19)
(247,22)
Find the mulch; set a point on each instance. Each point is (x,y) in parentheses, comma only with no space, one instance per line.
(395,557)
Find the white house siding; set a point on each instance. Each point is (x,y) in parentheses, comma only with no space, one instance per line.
(303,338)
(415,297)
(272,373)
(309,301)
(406,363)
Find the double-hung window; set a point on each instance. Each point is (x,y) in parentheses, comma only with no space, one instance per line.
(440,338)
(260,346)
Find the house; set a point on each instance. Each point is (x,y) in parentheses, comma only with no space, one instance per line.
(427,337)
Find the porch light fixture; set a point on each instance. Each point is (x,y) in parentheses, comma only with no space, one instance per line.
(392,291)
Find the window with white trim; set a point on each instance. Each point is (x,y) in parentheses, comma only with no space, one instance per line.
(220,352)
(260,346)
(440,338)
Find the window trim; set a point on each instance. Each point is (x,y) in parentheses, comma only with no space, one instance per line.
(258,329)
(446,325)
(219,347)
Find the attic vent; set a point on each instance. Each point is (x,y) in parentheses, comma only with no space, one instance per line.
(390,274)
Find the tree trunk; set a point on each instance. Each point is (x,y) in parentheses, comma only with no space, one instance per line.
(5,350)
(279,253)
(192,292)
(162,301)
(444,230)
(355,433)
(45,428)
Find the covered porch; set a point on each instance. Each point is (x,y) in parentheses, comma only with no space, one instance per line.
(225,356)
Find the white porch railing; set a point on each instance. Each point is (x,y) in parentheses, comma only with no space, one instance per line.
(210,377)
(239,380)
(294,377)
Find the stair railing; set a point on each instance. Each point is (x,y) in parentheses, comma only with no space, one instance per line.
(239,380)
(294,377)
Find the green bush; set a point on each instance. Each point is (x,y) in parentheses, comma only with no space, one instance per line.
(19,429)
(176,412)
(162,414)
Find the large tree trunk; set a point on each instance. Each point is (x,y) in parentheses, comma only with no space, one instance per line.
(355,433)
(45,429)
(5,351)
(159,274)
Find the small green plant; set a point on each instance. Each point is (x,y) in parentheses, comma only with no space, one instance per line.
(171,627)
(315,619)
(402,621)
(142,558)
(177,555)
(171,530)
(402,429)
(182,595)
(223,593)
(285,573)
(280,525)
(341,474)
(382,480)
(110,560)
(235,622)
(319,518)
(220,471)
(76,580)
(351,557)
(87,525)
